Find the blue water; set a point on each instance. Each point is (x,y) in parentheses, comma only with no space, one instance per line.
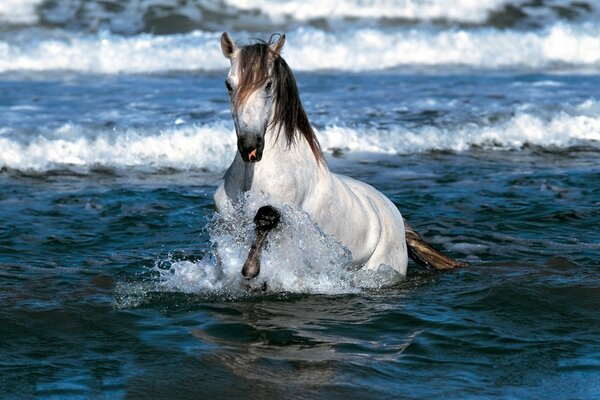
(107,172)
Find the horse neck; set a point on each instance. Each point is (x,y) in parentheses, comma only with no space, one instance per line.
(298,154)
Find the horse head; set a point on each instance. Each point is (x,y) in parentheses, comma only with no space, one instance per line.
(263,94)
(250,84)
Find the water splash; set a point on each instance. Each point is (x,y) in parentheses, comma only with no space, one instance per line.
(299,258)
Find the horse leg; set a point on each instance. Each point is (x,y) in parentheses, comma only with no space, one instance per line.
(265,220)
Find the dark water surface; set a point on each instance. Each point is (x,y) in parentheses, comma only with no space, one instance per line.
(479,119)
(521,322)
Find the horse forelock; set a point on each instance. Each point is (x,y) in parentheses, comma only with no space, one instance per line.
(257,64)
(253,70)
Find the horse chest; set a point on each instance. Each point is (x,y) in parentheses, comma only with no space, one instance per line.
(283,184)
(286,185)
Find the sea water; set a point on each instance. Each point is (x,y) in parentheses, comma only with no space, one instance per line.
(480,121)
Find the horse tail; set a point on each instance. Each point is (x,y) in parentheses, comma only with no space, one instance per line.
(425,255)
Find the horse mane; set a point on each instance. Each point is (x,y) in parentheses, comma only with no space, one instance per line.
(289,115)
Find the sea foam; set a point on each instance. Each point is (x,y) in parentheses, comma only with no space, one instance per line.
(19,11)
(461,10)
(212,147)
(564,45)
(299,258)
(135,16)
(558,132)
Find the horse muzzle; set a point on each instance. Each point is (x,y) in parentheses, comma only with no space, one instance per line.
(251,148)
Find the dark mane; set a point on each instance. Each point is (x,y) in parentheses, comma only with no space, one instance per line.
(289,115)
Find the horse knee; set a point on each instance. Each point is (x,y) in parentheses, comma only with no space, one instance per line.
(267,218)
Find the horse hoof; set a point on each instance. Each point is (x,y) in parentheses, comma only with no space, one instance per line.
(254,289)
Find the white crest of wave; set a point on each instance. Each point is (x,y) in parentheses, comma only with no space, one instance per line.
(565,129)
(212,147)
(108,54)
(460,10)
(312,49)
(370,49)
(194,147)
(19,11)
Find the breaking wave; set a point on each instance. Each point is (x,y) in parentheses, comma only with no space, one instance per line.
(149,36)
(212,147)
(309,49)
(179,16)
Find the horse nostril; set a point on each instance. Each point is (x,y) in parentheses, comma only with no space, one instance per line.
(252,155)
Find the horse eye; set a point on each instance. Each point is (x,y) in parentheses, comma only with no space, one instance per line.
(228,86)
(269,85)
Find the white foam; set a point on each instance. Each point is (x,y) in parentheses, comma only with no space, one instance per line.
(131,16)
(212,147)
(565,129)
(311,49)
(19,11)
(108,53)
(460,10)
(367,49)
(299,258)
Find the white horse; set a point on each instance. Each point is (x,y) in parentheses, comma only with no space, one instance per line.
(279,155)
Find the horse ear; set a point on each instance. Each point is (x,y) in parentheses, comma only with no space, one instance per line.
(278,45)
(227,45)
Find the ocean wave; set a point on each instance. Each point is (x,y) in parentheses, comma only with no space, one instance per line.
(179,16)
(212,147)
(19,11)
(481,48)
(493,13)
(561,132)
(106,53)
(306,10)
(309,49)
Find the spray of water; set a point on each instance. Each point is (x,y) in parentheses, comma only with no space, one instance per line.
(299,258)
